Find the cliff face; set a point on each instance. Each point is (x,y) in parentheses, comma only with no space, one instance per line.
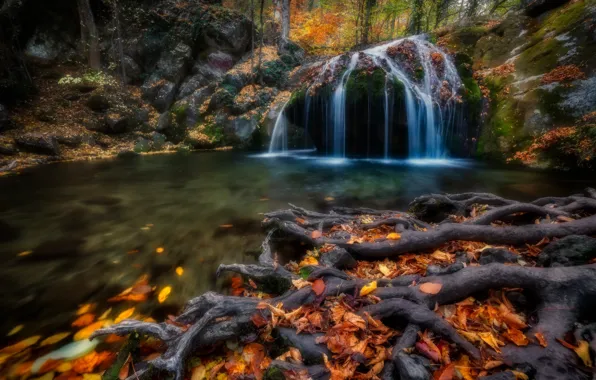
(535,74)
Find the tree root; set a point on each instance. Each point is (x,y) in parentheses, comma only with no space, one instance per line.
(562,296)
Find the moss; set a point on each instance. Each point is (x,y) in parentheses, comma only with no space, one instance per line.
(540,58)
(274,373)
(561,20)
(297,96)
(275,73)
(362,83)
(214,132)
(179,113)
(548,102)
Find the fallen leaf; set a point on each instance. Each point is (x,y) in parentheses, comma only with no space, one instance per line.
(15,330)
(520,375)
(25,253)
(329,199)
(54,339)
(124,370)
(517,337)
(355,319)
(490,339)
(308,260)
(300,283)
(20,346)
(300,221)
(258,320)
(164,293)
(226,226)
(368,288)
(431,288)
(428,352)
(105,314)
(318,286)
(394,236)
(86,332)
(160,250)
(491,364)
(179,271)
(446,373)
(316,234)
(384,269)
(84,320)
(124,315)
(541,339)
(198,373)
(86,308)
(583,351)
(91,376)
(64,367)
(87,363)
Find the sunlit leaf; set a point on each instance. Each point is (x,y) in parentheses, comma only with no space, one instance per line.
(179,271)
(491,364)
(393,236)
(490,339)
(384,269)
(300,283)
(541,339)
(164,293)
(24,253)
(105,314)
(54,339)
(583,351)
(368,288)
(84,320)
(124,315)
(15,330)
(308,260)
(86,332)
(86,308)
(517,337)
(520,375)
(20,346)
(198,373)
(160,250)
(431,288)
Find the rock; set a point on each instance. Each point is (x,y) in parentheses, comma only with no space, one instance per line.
(232,36)
(98,102)
(7,150)
(127,154)
(160,93)
(116,123)
(236,79)
(141,115)
(11,165)
(190,85)
(413,367)
(275,73)
(568,251)
(223,97)
(142,145)
(198,140)
(158,141)
(5,122)
(38,143)
(582,97)
(497,255)
(164,122)
(73,96)
(291,53)
(338,258)
(244,126)
(220,61)
(172,65)
(45,48)
(132,69)
(45,114)
(74,140)
(193,102)
(534,8)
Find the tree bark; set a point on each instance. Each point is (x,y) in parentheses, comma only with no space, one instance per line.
(285,20)
(367,20)
(261,43)
(415,26)
(90,29)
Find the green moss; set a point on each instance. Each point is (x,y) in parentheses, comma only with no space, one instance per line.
(215,133)
(362,83)
(179,112)
(275,73)
(561,20)
(274,373)
(540,58)
(297,96)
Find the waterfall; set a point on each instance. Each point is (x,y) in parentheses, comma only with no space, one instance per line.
(429,118)
(339,110)
(279,136)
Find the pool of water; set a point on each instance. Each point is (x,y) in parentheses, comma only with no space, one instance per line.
(94,227)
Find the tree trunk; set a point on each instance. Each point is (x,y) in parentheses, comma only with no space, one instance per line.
(285,20)
(116,11)
(92,43)
(261,43)
(252,36)
(442,7)
(367,20)
(415,26)
(472,8)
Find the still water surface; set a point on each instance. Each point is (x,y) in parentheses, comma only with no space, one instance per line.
(93,227)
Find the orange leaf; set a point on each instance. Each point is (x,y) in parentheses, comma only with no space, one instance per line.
(160,250)
(84,320)
(300,221)
(516,337)
(568,345)
(124,315)
(87,331)
(86,364)
(316,234)
(164,293)
(394,236)
(368,288)
(123,373)
(259,320)
(445,373)
(318,286)
(541,339)
(20,346)
(179,271)
(431,288)
(84,309)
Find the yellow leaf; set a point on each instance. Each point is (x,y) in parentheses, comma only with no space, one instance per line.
(308,260)
(179,271)
(384,269)
(517,337)
(124,315)
(25,253)
(471,336)
(541,339)
(368,288)
(105,314)
(520,375)
(583,351)
(164,293)
(394,236)
(15,330)
(91,376)
(20,346)
(490,339)
(160,250)
(84,309)
(431,288)
(64,367)
(86,332)
(440,255)
(199,373)
(54,339)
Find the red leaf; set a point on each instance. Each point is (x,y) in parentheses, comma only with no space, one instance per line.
(316,234)
(318,286)
(445,373)
(426,351)
(259,320)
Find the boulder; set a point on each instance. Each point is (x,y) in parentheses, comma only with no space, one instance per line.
(220,61)
(164,122)
(291,53)
(198,140)
(98,102)
(158,141)
(413,367)
(159,92)
(568,251)
(132,69)
(45,48)
(236,79)
(142,145)
(191,84)
(116,123)
(38,143)
(173,64)
(74,140)
(243,126)
(535,8)
(232,36)
(497,255)
(7,150)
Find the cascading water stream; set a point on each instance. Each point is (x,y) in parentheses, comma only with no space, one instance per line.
(428,100)
(279,136)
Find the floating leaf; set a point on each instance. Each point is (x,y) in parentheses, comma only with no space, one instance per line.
(164,293)
(15,330)
(124,315)
(54,339)
(583,351)
(86,308)
(84,320)
(86,332)
(394,236)
(25,253)
(541,339)
(368,288)
(160,250)
(179,271)
(318,286)
(431,287)
(316,234)
(20,346)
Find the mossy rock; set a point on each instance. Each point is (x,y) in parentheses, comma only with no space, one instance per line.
(362,83)
(541,58)
(275,73)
